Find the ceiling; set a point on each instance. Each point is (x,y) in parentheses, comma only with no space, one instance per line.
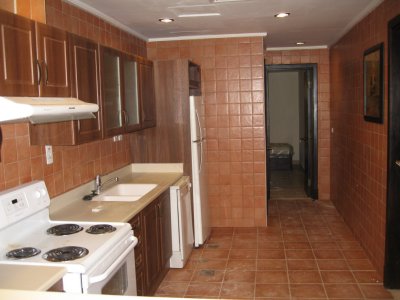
(314,22)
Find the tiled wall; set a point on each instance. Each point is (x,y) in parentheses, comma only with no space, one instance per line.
(73,165)
(70,18)
(359,148)
(321,58)
(233,89)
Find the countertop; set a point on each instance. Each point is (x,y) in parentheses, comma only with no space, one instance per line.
(71,207)
(33,278)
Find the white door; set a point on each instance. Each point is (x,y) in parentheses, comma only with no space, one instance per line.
(199,171)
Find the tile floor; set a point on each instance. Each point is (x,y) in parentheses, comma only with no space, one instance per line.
(307,252)
(288,184)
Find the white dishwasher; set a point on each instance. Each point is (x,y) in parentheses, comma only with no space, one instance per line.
(181,222)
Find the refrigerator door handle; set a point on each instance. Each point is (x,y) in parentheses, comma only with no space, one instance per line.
(200,140)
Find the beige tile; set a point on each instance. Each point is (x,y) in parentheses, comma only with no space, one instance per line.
(240,276)
(274,291)
(237,290)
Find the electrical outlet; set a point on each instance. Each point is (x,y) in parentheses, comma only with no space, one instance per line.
(49,154)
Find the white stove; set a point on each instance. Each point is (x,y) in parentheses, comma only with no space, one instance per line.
(98,257)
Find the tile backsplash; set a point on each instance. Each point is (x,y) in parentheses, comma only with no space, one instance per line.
(72,166)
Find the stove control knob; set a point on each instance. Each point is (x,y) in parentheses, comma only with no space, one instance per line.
(43,192)
(37,194)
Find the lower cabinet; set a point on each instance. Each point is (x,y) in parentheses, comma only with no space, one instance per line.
(152,227)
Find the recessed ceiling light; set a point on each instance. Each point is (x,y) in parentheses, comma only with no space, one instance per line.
(282,15)
(166,20)
(300,43)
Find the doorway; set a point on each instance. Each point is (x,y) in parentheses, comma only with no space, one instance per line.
(392,247)
(291,130)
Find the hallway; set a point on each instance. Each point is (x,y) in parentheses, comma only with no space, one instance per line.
(288,184)
(306,252)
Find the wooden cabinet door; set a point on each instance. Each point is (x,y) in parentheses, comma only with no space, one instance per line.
(147,95)
(151,246)
(130,89)
(113,121)
(85,82)
(18,70)
(165,229)
(52,57)
(136,223)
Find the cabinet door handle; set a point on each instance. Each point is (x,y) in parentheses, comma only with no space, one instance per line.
(126,117)
(39,71)
(159,210)
(46,72)
(397,162)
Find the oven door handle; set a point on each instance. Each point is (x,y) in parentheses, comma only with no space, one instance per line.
(111,269)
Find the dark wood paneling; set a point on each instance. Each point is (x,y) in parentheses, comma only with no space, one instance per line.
(170,140)
(18,69)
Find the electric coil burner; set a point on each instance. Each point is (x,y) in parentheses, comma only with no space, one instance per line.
(100,229)
(65,253)
(64,229)
(23,253)
(93,262)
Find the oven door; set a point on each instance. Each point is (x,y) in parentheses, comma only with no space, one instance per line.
(118,279)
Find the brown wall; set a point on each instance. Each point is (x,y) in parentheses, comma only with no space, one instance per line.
(73,165)
(233,89)
(359,148)
(321,58)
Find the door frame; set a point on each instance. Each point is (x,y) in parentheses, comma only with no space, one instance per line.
(313,193)
(392,242)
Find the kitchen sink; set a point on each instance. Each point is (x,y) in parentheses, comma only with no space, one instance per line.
(125,192)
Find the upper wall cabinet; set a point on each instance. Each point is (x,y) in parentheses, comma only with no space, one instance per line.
(147,94)
(34,62)
(127,92)
(18,69)
(111,91)
(131,92)
(52,61)
(85,85)
(85,82)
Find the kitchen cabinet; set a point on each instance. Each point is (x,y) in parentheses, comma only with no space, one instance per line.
(85,85)
(147,94)
(18,69)
(52,61)
(152,227)
(128,92)
(85,82)
(131,93)
(136,224)
(34,60)
(111,91)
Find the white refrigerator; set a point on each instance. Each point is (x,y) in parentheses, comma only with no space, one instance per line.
(199,171)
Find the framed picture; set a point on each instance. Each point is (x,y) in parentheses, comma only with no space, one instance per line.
(373,84)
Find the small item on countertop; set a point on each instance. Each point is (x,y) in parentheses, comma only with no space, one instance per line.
(87,197)
(90,196)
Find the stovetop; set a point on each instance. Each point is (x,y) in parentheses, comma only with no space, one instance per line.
(25,223)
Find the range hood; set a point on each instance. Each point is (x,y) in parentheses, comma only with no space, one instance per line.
(44,109)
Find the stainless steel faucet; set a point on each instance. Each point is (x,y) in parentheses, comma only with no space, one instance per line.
(98,185)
